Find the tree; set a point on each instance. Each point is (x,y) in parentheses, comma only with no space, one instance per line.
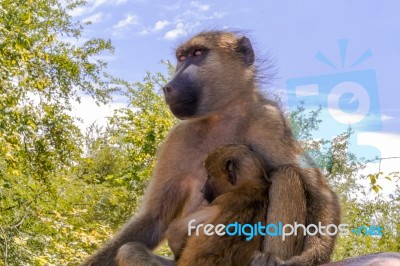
(121,156)
(41,73)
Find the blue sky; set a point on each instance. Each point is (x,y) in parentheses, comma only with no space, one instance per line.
(292,33)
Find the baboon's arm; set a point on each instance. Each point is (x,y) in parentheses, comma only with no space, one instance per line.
(287,204)
(323,208)
(293,199)
(177,232)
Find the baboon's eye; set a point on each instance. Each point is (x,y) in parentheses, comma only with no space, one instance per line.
(197,52)
(181,58)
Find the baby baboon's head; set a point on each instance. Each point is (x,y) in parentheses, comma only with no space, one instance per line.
(231,167)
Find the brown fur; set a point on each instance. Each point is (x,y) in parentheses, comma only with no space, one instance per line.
(244,202)
(217,97)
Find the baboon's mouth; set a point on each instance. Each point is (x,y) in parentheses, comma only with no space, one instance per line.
(184,109)
(187,102)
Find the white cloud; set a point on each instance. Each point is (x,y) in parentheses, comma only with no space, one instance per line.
(307,90)
(386,117)
(144,31)
(176,33)
(188,20)
(96,3)
(218,15)
(160,25)
(98,17)
(91,113)
(77,12)
(386,143)
(173,7)
(72,40)
(124,25)
(91,6)
(200,7)
(129,20)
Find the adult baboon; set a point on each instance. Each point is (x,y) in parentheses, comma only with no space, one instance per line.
(215,93)
(237,190)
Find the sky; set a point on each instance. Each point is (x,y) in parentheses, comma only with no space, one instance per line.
(341,55)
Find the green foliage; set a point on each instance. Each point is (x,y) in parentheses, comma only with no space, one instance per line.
(40,54)
(42,70)
(122,155)
(140,128)
(375,178)
(63,193)
(359,206)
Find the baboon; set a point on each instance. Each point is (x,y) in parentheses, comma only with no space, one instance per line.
(215,94)
(237,190)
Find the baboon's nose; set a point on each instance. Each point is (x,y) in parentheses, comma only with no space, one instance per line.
(167,89)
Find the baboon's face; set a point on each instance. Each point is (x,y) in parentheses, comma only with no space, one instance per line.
(231,167)
(212,68)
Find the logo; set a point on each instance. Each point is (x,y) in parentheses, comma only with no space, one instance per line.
(280,230)
(348,97)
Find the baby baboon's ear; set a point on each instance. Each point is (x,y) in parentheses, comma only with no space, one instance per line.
(246,49)
(231,167)
(266,176)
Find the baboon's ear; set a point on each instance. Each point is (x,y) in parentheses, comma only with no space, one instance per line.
(244,47)
(232,169)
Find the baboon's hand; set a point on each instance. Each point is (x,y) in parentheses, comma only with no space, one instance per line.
(265,259)
(137,254)
(176,238)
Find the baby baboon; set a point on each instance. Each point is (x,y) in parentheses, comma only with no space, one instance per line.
(215,93)
(238,191)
